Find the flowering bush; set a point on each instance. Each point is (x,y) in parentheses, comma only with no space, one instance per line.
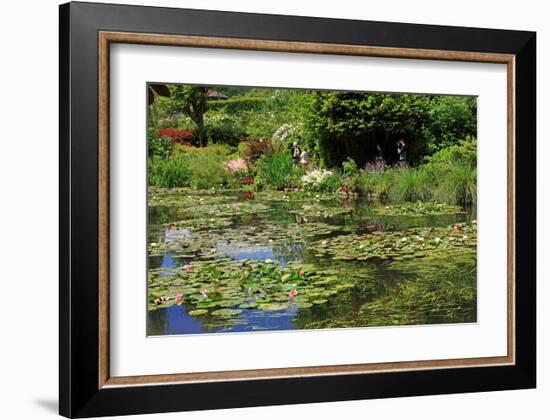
(284,134)
(236,165)
(177,136)
(315,177)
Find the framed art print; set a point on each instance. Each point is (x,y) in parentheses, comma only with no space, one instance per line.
(280,209)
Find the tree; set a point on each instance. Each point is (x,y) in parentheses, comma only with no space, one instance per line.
(192,101)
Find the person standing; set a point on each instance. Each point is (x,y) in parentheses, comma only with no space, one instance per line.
(402,152)
(295,153)
(303,159)
(380,162)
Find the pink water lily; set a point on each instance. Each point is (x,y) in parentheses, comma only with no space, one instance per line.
(188,267)
(179,298)
(293,293)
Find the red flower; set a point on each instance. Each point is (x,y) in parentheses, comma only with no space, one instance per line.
(293,293)
(184,137)
(247,180)
(179,298)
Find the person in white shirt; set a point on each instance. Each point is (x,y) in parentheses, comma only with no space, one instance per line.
(303,159)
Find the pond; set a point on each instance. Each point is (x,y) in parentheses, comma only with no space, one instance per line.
(235,262)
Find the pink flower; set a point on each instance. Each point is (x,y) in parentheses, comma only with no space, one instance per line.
(179,298)
(293,293)
(188,267)
(236,165)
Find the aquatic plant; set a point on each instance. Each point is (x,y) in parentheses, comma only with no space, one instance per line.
(439,292)
(226,287)
(420,208)
(398,245)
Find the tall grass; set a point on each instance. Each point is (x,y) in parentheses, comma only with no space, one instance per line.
(411,184)
(375,183)
(273,170)
(168,172)
(458,186)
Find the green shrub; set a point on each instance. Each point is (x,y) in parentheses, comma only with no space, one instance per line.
(207,166)
(239,104)
(157,145)
(349,167)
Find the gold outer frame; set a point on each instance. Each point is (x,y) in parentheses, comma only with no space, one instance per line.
(106,38)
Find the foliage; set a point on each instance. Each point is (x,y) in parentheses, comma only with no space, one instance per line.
(450,119)
(192,101)
(349,167)
(441,292)
(274,170)
(411,184)
(420,208)
(237,104)
(339,125)
(405,244)
(168,173)
(158,146)
(208,169)
(377,183)
(177,136)
(454,173)
(252,150)
(223,128)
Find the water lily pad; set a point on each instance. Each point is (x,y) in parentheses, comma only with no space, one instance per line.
(198,312)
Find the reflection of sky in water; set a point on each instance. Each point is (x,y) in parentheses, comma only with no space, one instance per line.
(243,251)
(176,321)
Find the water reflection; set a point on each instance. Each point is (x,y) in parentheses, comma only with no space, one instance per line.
(375,281)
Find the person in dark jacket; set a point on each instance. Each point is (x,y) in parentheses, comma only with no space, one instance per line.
(402,152)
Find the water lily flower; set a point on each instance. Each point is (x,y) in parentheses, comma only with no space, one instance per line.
(361,246)
(188,267)
(179,298)
(293,293)
(204,292)
(420,238)
(403,239)
(437,240)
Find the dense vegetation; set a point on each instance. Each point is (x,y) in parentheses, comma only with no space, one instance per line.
(244,141)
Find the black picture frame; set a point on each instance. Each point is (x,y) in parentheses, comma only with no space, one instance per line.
(79,391)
